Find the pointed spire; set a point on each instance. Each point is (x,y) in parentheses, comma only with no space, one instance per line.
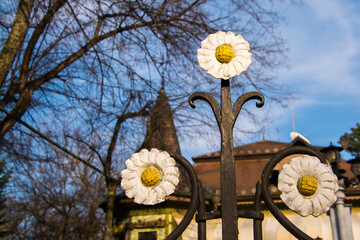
(161,131)
(161,134)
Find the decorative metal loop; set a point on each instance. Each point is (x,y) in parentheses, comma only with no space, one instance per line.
(209,99)
(265,186)
(355,181)
(243,99)
(194,197)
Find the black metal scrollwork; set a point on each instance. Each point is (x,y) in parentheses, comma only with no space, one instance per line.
(197,202)
(226,118)
(265,186)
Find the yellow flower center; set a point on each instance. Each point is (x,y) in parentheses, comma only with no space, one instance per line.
(307,185)
(224,53)
(150,176)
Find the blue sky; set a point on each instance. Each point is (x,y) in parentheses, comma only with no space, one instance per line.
(323,37)
(324,41)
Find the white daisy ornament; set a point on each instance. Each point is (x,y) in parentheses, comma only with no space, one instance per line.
(307,186)
(224,55)
(149,176)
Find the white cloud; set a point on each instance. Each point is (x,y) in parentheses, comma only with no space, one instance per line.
(325,42)
(324,39)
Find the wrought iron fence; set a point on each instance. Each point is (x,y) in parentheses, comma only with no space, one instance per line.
(224,55)
(229,213)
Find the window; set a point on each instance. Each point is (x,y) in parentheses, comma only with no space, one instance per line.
(148,235)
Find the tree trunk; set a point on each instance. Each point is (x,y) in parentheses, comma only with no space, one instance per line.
(18,111)
(109,212)
(16,38)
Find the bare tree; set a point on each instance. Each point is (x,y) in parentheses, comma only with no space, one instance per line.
(96,41)
(56,198)
(86,72)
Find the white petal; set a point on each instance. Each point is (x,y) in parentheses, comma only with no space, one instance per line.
(288,170)
(214,69)
(239,38)
(166,163)
(289,196)
(172,171)
(128,184)
(325,201)
(167,187)
(136,159)
(174,180)
(161,157)
(143,155)
(217,75)
(205,60)
(283,187)
(230,38)
(225,71)
(210,42)
(152,155)
(328,185)
(327,176)
(151,198)
(306,208)
(132,192)
(208,45)
(306,163)
(127,174)
(160,192)
(328,194)
(220,38)
(244,60)
(238,67)
(312,162)
(296,166)
(141,195)
(285,178)
(205,64)
(231,69)
(130,165)
(247,56)
(210,63)
(321,168)
(286,188)
(240,46)
(317,209)
(203,52)
(297,202)
(219,72)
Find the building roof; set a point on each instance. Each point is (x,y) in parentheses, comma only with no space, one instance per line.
(252,150)
(250,160)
